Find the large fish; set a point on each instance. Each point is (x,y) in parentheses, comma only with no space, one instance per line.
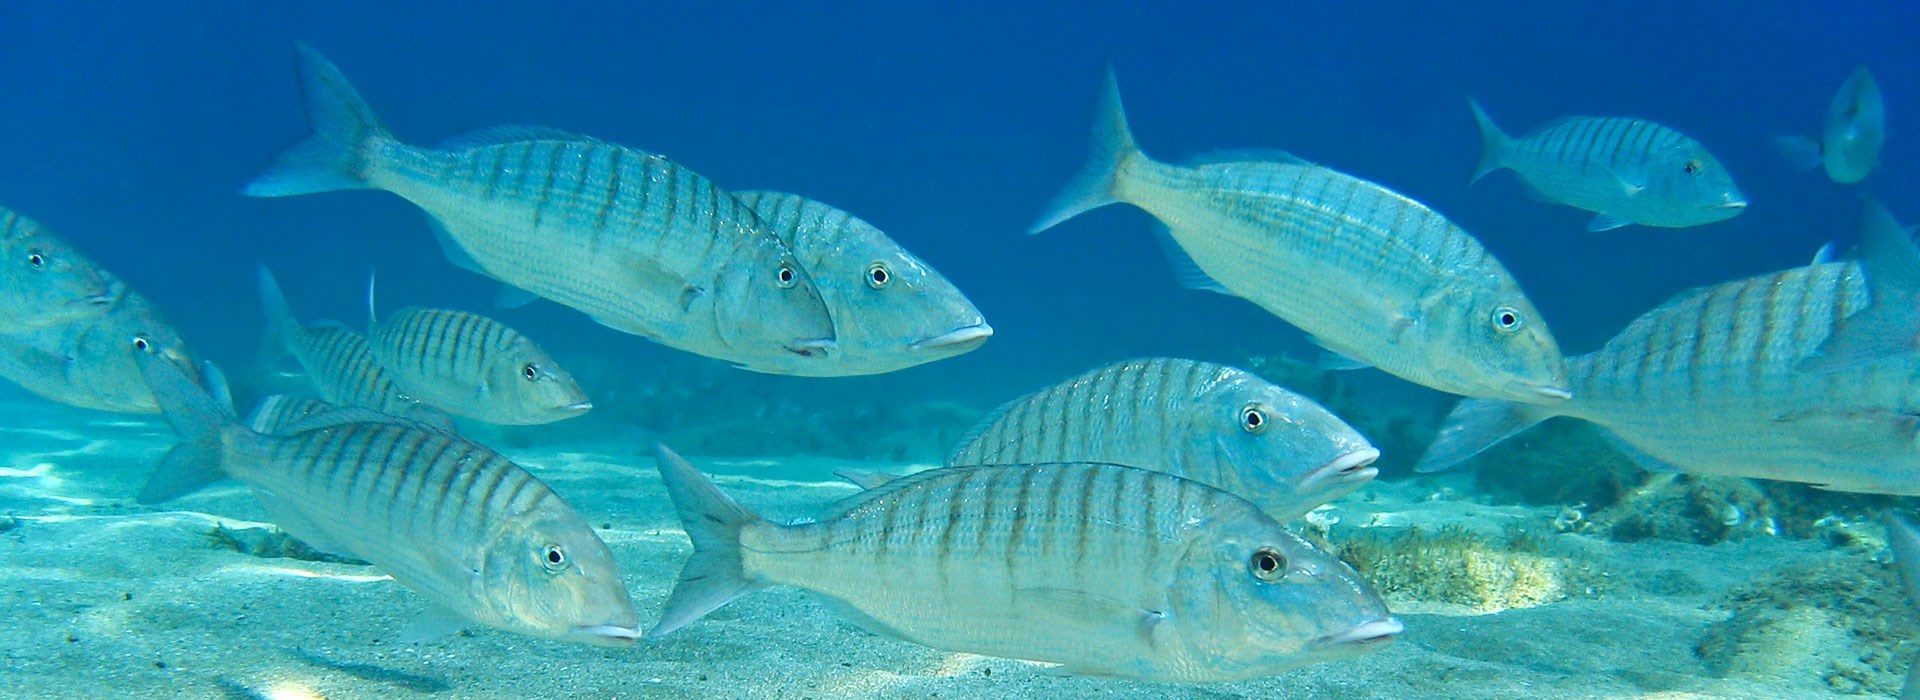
(1214,424)
(1626,171)
(481,538)
(1105,569)
(339,363)
(1715,381)
(891,310)
(1905,542)
(636,241)
(1849,145)
(89,362)
(44,281)
(1368,273)
(473,366)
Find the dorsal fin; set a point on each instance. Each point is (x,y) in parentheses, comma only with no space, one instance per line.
(1246,155)
(511,133)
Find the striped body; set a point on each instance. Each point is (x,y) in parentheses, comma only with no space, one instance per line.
(341,368)
(1709,382)
(89,362)
(1629,170)
(1106,569)
(891,310)
(473,366)
(279,412)
(1211,423)
(43,280)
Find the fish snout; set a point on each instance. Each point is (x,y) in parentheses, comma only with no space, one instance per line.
(1366,635)
(1346,472)
(1733,203)
(608,635)
(814,347)
(581,407)
(966,337)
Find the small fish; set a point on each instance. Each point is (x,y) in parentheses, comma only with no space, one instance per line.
(1107,570)
(1368,273)
(1906,553)
(1214,424)
(89,362)
(44,281)
(890,309)
(340,364)
(636,241)
(1715,382)
(1626,171)
(485,541)
(1849,146)
(472,366)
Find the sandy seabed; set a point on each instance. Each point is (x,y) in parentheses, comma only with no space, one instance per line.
(102,598)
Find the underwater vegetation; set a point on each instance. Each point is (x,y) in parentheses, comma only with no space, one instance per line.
(1520,568)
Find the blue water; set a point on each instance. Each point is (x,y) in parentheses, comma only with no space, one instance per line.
(130,127)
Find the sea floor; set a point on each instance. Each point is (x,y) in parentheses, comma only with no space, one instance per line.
(102,598)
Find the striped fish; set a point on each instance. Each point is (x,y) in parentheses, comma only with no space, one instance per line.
(1368,273)
(638,242)
(1105,569)
(472,366)
(1849,145)
(1714,382)
(43,280)
(481,538)
(890,309)
(89,362)
(340,364)
(1214,424)
(1626,171)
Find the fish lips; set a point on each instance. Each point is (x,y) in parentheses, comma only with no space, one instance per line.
(1365,636)
(1344,473)
(607,635)
(959,339)
(814,347)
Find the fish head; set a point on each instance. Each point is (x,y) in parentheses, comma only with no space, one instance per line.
(1695,188)
(1277,448)
(1489,341)
(532,386)
(1256,600)
(766,301)
(102,353)
(891,310)
(548,575)
(44,281)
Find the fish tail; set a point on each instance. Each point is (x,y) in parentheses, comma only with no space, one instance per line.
(1493,143)
(1113,148)
(281,323)
(334,156)
(1801,152)
(713,574)
(197,417)
(1889,325)
(1472,427)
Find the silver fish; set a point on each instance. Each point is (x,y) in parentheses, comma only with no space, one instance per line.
(477,535)
(1626,171)
(1367,272)
(1715,382)
(89,362)
(43,280)
(638,242)
(1849,145)
(472,366)
(891,310)
(340,364)
(1214,424)
(1105,569)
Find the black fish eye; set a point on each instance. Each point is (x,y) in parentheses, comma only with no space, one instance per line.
(553,558)
(786,276)
(1253,419)
(878,275)
(1506,319)
(1268,565)
(141,344)
(530,370)
(36,260)
(1693,167)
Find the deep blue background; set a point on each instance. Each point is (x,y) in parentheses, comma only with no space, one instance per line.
(129,127)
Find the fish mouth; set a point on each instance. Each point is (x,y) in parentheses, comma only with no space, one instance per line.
(581,407)
(1366,634)
(1735,204)
(813,347)
(611,635)
(964,336)
(1349,470)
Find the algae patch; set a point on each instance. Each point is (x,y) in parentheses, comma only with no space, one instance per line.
(270,543)
(1454,565)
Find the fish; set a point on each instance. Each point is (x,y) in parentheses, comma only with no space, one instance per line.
(44,281)
(1627,171)
(638,242)
(1106,570)
(1712,382)
(1905,542)
(339,362)
(891,310)
(89,362)
(1849,145)
(1368,273)
(483,540)
(472,366)
(1218,425)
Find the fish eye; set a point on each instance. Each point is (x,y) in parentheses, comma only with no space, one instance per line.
(1694,167)
(786,276)
(530,371)
(36,260)
(1268,565)
(553,558)
(878,275)
(1253,419)
(1506,319)
(141,344)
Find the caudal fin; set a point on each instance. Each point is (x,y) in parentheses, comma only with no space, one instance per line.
(1889,325)
(1493,143)
(333,157)
(281,323)
(1094,186)
(197,417)
(712,575)
(1472,427)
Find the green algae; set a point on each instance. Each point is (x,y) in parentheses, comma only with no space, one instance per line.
(1521,569)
